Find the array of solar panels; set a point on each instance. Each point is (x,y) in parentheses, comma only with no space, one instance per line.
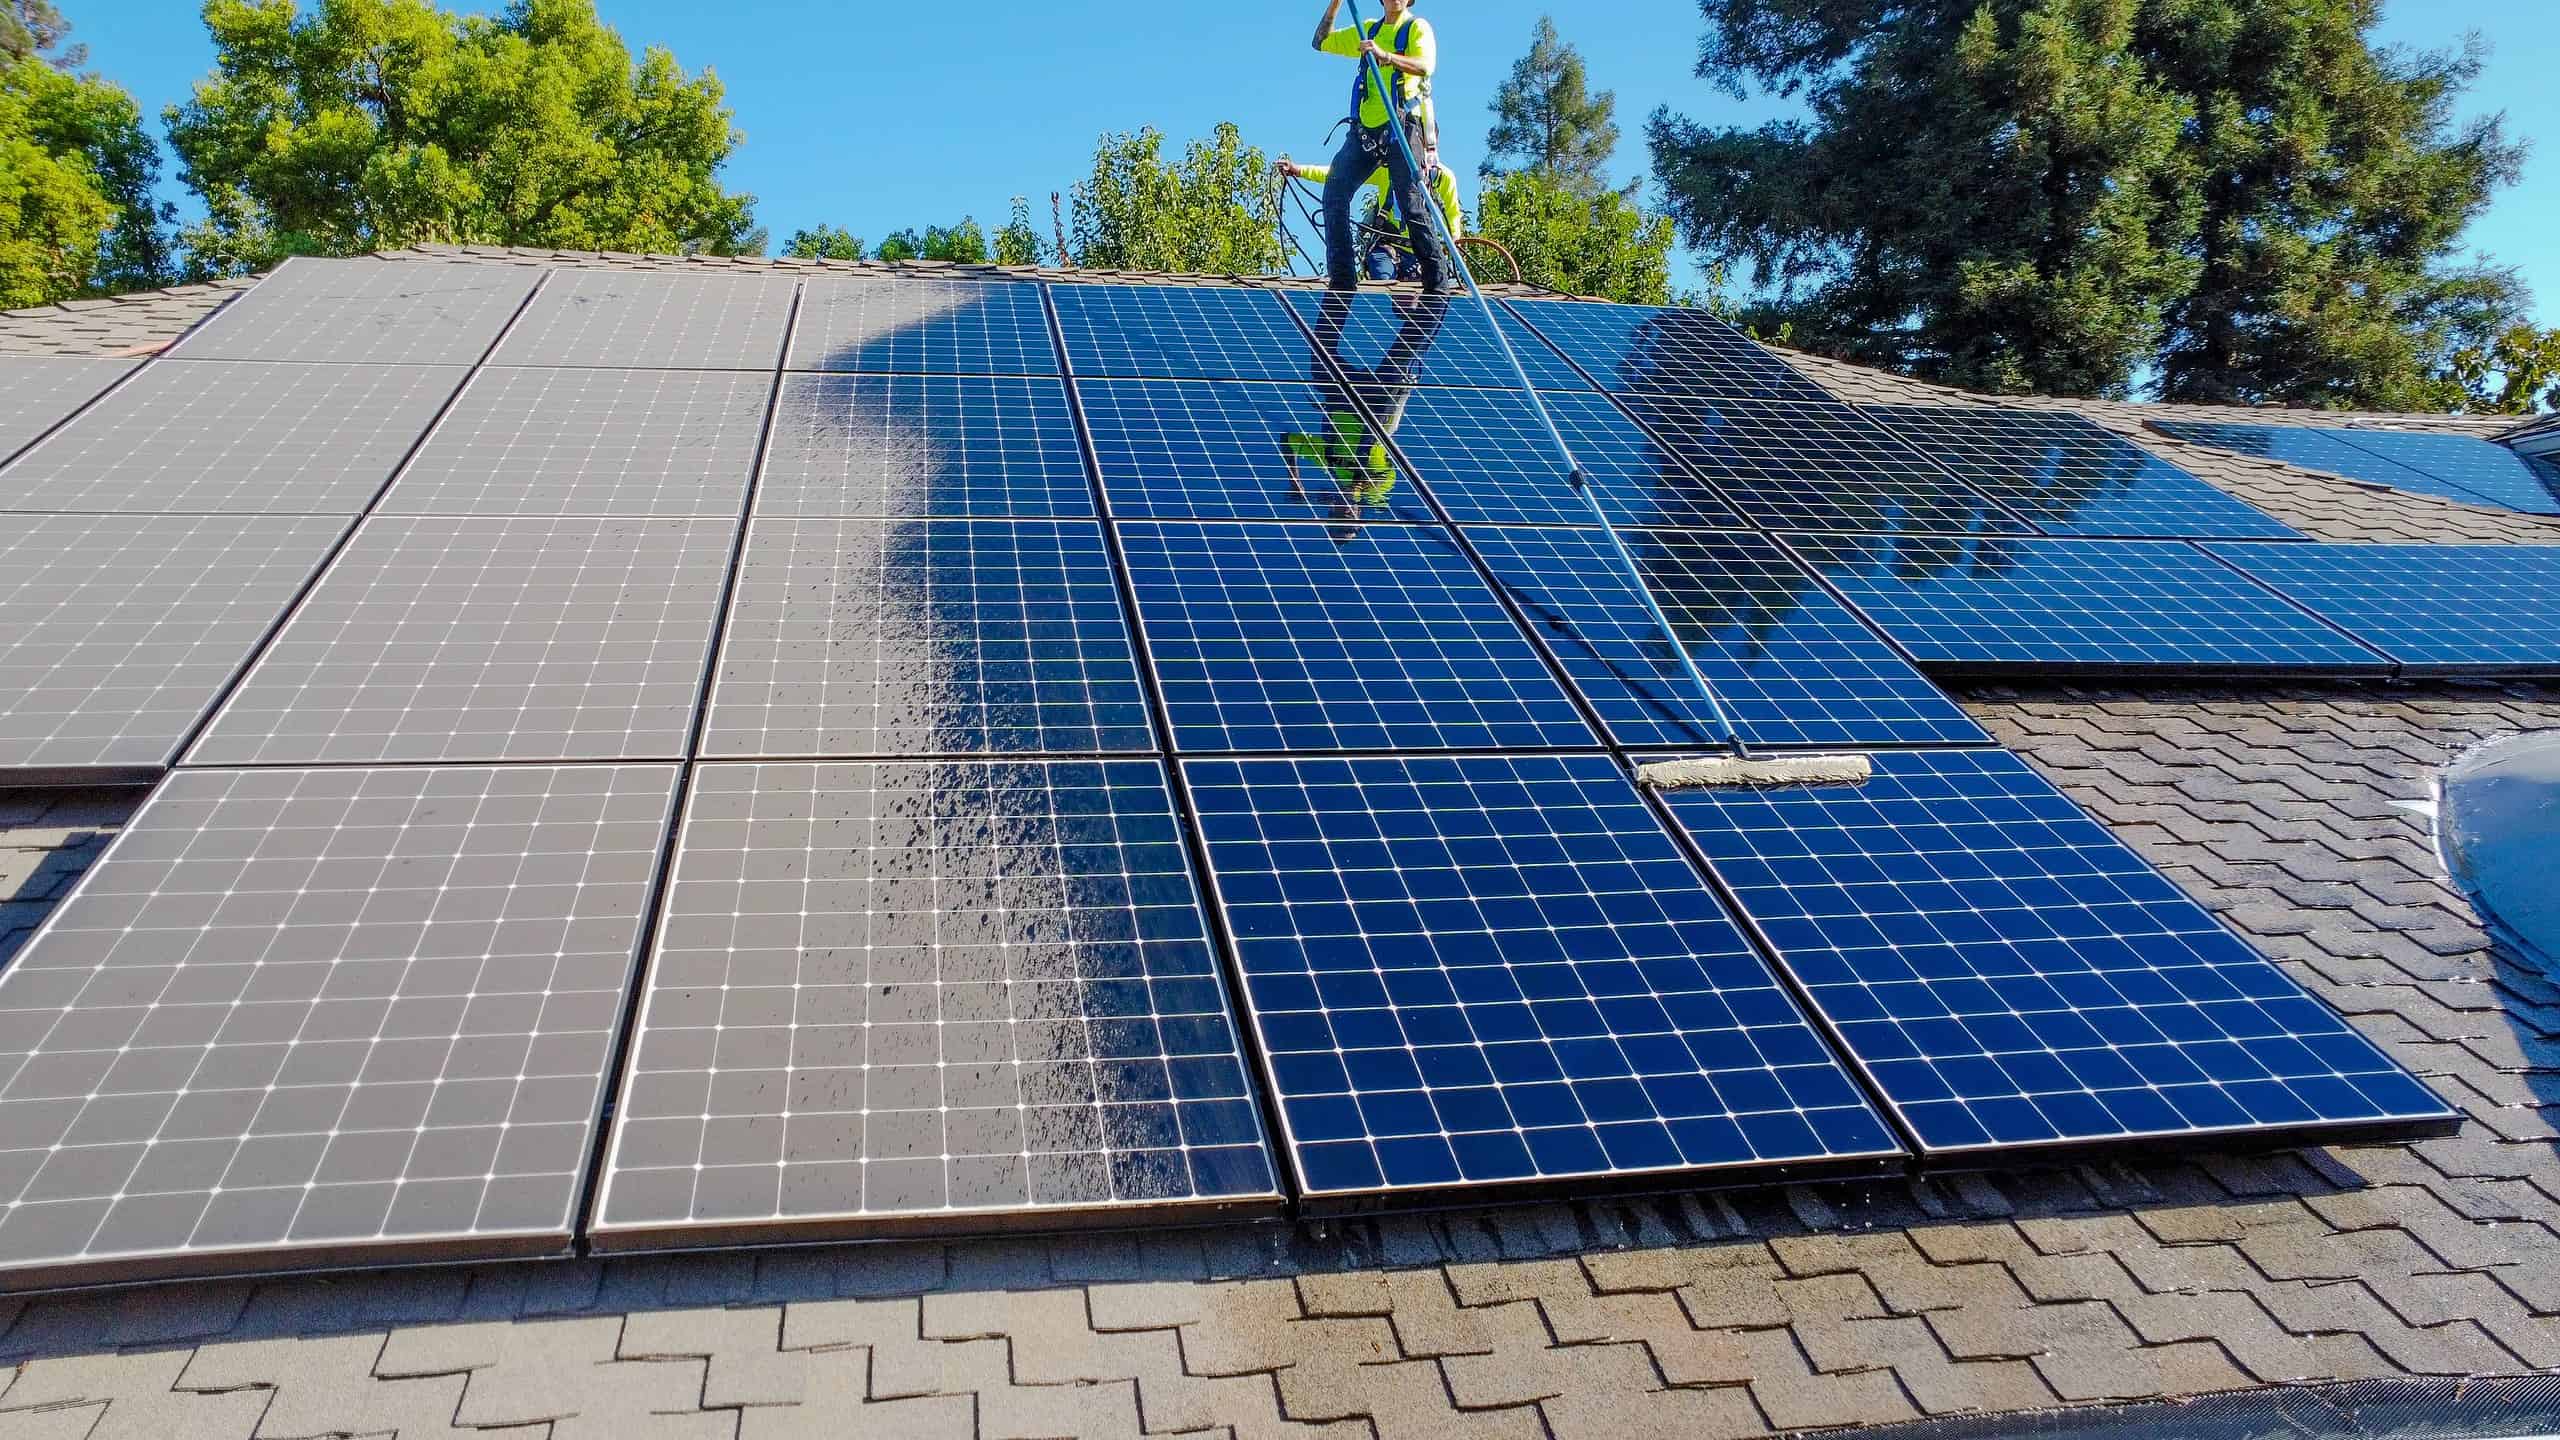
(2454,467)
(679,758)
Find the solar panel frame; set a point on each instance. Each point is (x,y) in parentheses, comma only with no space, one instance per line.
(917,445)
(1449,341)
(2063,472)
(2434,609)
(1180,332)
(914,325)
(39,392)
(588,441)
(1240,449)
(1677,350)
(2015,981)
(358,312)
(398,1020)
(1484,455)
(848,950)
(1817,466)
(650,319)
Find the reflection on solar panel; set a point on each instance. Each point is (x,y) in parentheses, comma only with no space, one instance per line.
(1817,466)
(2376,457)
(304,1017)
(1675,351)
(939,994)
(1235,448)
(123,629)
(1323,637)
(2471,466)
(633,318)
(923,445)
(1427,340)
(925,637)
(2059,604)
(365,312)
(966,327)
(1486,456)
(2439,608)
(1181,333)
(590,442)
(437,638)
(2010,974)
(1788,663)
(240,437)
(37,391)
(1490,969)
(2073,477)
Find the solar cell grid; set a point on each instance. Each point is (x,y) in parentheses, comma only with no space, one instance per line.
(1483,969)
(2432,608)
(1817,465)
(946,327)
(2333,451)
(123,629)
(302,1017)
(38,391)
(235,437)
(1427,340)
(2494,473)
(925,637)
(2010,974)
(1177,332)
(634,318)
(1321,637)
(1789,664)
(1669,350)
(590,442)
(365,312)
(1486,457)
(472,638)
(2071,476)
(924,993)
(2050,604)
(923,445)
(1242,449)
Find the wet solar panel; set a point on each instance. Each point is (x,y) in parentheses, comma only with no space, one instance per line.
(1421,339)
(1234,449)
(1176,332)
(1487,457)
(2071,476)
(923,445)
(2441,609)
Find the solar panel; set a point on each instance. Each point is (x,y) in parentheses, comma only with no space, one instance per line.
(1482,970)
(1176,332)
(923,445)
(123,629)
(2061,604)
(365,312)
(1817,465)
(1242,449)
(475,638)
(1424,339)
(1321,637)
(2072,476)
(1485,455)
(1789,664)
(917,326)
(2494,473)
(2009,974)
(38,391)
(930,997)
(241,437)
(305,1017)
(1670,350)
(925,637)
(2438,608)
(590,442)
(638,318)
(2335,451)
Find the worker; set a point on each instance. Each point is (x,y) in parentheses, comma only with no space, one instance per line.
(1382,262)
(1348,449)
(1401,44)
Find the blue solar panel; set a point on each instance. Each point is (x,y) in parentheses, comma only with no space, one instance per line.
(2072,477)
(2443,608)
(2010,974)
(923,445)
(1427,340)
(1670,350)
(1158,332)
(1790,665)
(1485,970)
(1817,465)
(2049,604)
(1485,455)
(2455,470)
(964,327)
(1325,637)
(1242,449)
(2492,472)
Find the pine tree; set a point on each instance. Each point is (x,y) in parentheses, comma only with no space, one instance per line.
(1545,117)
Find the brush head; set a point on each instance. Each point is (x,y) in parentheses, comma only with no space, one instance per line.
(1710,771)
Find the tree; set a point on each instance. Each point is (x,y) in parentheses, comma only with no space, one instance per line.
(1585,244)
(1547,119)
(51,210)
(1216,211)
(377,123)
(30,28)
(963,244)
(76,171)
(1019,243)
(826,242)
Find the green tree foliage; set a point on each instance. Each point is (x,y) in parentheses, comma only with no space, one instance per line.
(1546,118)
(1587,244)
(2514,371)
(2242,197)
(33,28)
(374,123)
(51,210)
(1215,211)
(964,243)
(76,171)
(825,242)
(1019,242)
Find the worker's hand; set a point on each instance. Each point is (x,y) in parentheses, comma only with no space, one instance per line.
(1370,49)
(1288,167)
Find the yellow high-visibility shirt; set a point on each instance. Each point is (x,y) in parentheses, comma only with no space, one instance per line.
(1414,90)
(1444,188)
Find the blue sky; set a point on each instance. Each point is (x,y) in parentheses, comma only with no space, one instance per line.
(876,116)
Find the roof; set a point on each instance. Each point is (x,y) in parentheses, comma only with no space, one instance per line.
(2296,812)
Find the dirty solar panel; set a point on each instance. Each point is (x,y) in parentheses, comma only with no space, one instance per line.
(650,319)
(590,442)
(992,445)
(941,327)
(2434,608)
(365,312)
(38,391)
(2072,476)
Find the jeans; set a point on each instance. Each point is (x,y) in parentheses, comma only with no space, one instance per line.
(1352,167)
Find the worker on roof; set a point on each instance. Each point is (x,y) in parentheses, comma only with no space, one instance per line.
(1351,452)
(1402,45)
(1382,262)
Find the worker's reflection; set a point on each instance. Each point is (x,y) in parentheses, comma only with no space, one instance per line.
(1346,468)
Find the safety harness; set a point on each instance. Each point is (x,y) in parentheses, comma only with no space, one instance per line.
(1412,110)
